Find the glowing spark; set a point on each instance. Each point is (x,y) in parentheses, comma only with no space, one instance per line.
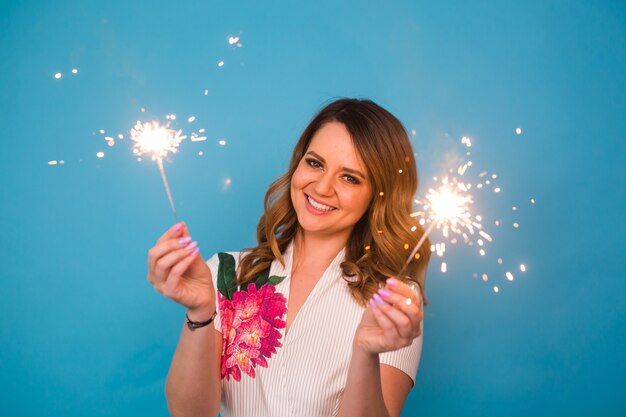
(500,261)
(413,132)
(233,40)
(496,289)
(100,154)
(516,225)
(200,153)
(444,267)
(102,131)
(156,140)
(196,138)
(52,162)
(74,71)
(532,201)
(191,119)
(509,276)
(497,189)
(447,208)
(120,136)
(482,252)
(222,142)
(485,277)
(220,64)
(58,75)
(518,130)
(206,92)
(522,267)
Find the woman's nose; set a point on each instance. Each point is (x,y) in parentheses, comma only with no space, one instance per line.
(324,185)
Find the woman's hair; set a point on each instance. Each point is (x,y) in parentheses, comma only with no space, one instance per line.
(384,237)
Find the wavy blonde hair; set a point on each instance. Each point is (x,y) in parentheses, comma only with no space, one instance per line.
(383,238)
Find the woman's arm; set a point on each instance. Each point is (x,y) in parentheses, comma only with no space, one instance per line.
(176,270)
(373,389)
(389,323)
(193,386)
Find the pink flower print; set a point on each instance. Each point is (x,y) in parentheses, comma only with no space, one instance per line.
(253,331)
(242,357)
(250,324)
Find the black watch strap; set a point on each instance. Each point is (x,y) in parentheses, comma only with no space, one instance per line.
(193,325)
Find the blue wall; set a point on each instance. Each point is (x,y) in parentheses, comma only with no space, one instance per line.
(82,332)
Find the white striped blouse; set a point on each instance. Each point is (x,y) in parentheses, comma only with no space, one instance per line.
(305,376)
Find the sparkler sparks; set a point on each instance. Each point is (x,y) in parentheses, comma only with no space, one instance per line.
(157,140)
(448,206)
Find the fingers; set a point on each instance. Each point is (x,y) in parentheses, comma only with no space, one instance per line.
(398,311)
(177,230)
(170,285)
(165,264)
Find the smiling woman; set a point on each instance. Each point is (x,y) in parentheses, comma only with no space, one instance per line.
(318,289)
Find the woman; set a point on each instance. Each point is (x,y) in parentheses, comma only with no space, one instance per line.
(307,323)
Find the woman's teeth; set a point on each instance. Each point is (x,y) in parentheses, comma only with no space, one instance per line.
(319,206)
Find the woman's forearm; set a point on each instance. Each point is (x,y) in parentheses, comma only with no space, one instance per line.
(193,386)
(363,394)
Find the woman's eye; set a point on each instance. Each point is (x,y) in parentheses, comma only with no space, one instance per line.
(351,179)
(313,163)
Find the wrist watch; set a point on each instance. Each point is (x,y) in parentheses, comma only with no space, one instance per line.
(193,325)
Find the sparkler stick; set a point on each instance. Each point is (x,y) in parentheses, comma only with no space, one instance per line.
(158,141)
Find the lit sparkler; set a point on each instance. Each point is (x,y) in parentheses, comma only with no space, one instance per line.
(157,140)
(446,207)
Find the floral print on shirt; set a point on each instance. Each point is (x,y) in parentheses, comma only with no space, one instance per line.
(250,318)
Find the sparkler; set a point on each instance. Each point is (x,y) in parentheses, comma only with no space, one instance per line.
(446,207)
(157,140)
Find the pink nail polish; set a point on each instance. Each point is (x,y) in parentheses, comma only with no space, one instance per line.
(372,303)
(184,240)
(194,253)
(392,282)
(378,299)
(384,292)
(178,226)
(191,245)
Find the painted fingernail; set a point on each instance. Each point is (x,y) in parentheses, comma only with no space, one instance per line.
(184,240)
(372,303)
(384,292)
(378,299)
(195,252)
(392,282)
(191,245)
(178,226)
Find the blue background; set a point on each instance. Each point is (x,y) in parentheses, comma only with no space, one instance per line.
(83,333)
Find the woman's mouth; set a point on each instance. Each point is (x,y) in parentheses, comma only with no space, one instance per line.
(317,205)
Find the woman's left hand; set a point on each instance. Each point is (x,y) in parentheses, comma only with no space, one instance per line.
(392,320)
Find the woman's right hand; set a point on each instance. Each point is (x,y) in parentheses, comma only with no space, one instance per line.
(176,270)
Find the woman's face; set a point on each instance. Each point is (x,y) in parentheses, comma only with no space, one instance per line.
(330,189)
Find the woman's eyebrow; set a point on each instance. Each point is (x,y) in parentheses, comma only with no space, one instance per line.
(346,169)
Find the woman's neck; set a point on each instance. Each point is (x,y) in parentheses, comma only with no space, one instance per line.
(315,251)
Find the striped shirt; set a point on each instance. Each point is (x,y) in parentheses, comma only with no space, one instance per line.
(306,376)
